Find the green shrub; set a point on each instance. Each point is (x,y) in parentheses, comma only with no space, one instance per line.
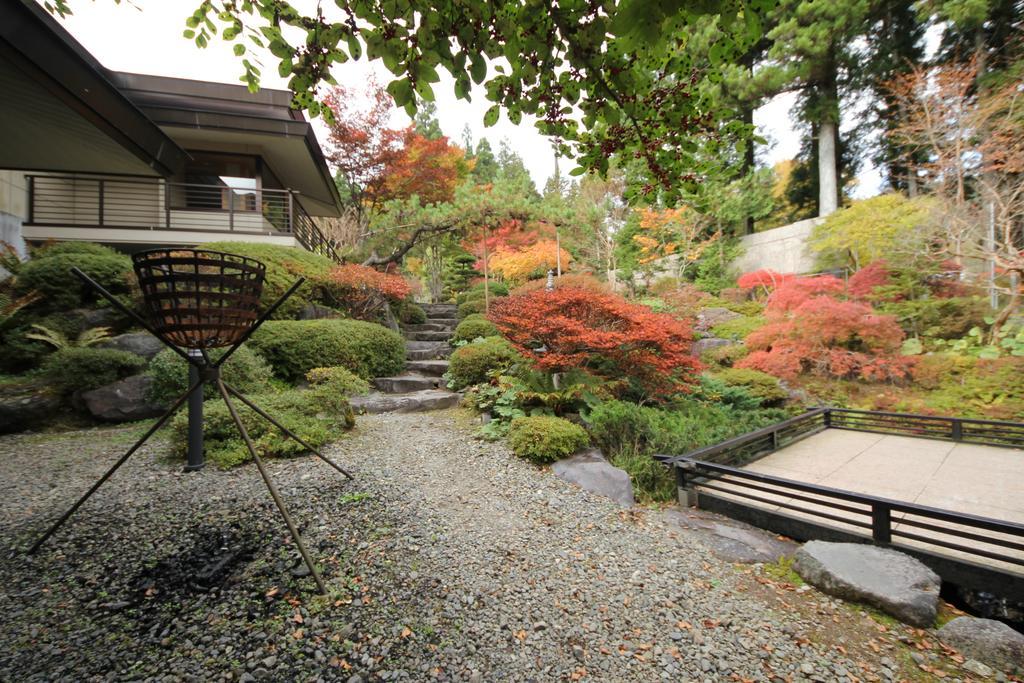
(294,347)
(724,356)
(738,328)
(85,368)
(331,387)
(58,248)
(629,435)
(473,363)
(298,410)
(748,308)
(938,318)
(713,390)
(477,292)
(246,371)
(411,314)
(19,353)
(285,265)
(471,307)
(542,439)
(474,326)
(49,273)
(758,384)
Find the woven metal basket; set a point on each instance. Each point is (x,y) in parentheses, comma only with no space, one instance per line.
(199,299)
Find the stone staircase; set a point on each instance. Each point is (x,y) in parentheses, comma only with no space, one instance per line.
(420,387)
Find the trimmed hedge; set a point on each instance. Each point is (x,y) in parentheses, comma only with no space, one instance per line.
(284,266)
(738,328)
(542,439)
(758,384)
(411,314)
(474,326)
(472,307)
(294,347)
(82,369)
(473,363)
(331,387)
(49,273)
(300,411)
(246,371)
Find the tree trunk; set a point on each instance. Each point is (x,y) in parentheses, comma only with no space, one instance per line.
(828,182)
(1008,310)
(487,285)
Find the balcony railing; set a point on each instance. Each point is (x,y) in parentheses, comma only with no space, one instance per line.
(121,203)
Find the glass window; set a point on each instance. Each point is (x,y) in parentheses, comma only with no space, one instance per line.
(222,182)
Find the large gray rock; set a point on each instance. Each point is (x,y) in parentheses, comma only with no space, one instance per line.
(709,317)
(887,579)
(122,401)
(414,402)
(140,343)
(729,539)
(26,405)
(706,344)
(987,640)
(589,470)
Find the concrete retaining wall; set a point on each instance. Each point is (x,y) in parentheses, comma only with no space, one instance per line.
(783,250)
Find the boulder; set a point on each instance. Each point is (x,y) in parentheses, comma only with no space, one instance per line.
(729,539)
(122,401)
(987,640)
(887,579)
(317,312)
(99,317)
(25,405)
(708,343)
(589,470)
(140,343)
(709,317)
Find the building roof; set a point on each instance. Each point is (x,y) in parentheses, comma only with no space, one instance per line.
(63,111)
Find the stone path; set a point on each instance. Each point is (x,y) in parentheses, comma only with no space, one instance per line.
(447,558)
(420,387)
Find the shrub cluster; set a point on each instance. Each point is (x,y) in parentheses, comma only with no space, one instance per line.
(542,439)
(49,273)
(629,434)
(86,368)
(245,370)
(294,347)
(738,328)
(472,327)
(411,314)
(758,384)
(300,411)
(475,362)
(331,387)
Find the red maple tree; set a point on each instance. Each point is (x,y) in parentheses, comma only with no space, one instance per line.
(628,344)
(429,169)
(362,290)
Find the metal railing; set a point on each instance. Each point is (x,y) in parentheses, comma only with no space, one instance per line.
(967,549)
(132,203)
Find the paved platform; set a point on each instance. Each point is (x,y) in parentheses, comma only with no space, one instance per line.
(979,480)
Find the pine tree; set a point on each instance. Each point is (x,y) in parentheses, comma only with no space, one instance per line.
(511,168)
(426,123)
(486,169)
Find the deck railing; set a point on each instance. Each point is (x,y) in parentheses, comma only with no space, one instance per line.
(134,203)
(967,549)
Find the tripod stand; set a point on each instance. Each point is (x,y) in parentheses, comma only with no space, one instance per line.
(203,299)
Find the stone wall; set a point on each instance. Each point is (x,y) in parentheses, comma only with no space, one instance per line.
(783,250)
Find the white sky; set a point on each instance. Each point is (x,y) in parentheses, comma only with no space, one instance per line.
(145,36)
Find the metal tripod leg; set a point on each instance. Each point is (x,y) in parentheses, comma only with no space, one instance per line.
(270,485)
(124,458)
(287,432)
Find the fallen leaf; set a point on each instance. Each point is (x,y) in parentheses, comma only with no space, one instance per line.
(406,632)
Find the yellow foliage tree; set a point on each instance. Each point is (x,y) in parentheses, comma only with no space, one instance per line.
(673,232)
(518,266)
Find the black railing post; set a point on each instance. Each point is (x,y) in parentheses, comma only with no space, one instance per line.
(827,417)
(957,430)
(231,209)
(881,523)
(102,187)
(685,489)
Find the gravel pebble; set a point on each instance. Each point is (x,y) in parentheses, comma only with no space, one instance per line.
(447,559)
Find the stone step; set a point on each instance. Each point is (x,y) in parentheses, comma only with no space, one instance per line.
(429,336)
(448,322)
(439,310)
(412,402)
(428,327)
(428,354)
(403,384)
(432,368)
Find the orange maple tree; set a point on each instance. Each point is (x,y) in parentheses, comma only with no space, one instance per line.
(644,353)
(429,169)
(812,329)
(362,290)
(673,232)
(519,265)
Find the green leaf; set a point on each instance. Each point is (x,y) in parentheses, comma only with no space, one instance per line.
(491,117)
(239,49)
(401,91)
(478,68)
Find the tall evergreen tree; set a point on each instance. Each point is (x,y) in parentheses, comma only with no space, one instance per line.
(511,168)
(486,169)
(426,122)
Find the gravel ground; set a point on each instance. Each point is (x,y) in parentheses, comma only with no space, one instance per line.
(447,559)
